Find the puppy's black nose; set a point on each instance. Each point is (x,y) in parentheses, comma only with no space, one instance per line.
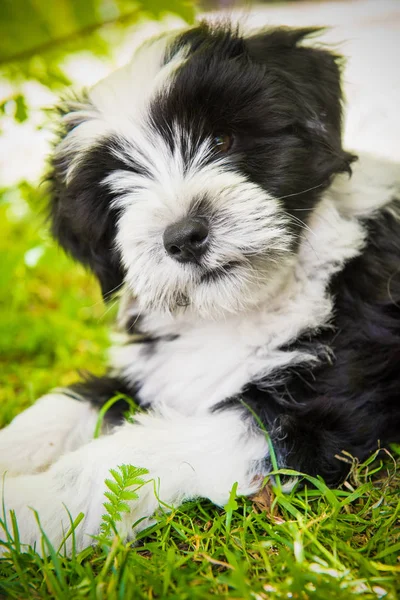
(187,240)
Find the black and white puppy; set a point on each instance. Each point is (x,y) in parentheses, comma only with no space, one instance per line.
(207,184)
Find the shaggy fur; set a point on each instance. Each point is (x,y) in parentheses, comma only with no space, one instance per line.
(205,183)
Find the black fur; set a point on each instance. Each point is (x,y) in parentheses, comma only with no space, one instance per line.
(351,400)
(82,219)
(281,103)
(98,390)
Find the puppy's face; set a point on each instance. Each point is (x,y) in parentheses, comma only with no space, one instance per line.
(189,174)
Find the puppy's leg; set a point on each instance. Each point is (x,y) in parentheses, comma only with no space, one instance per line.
(186,457)
(55,424)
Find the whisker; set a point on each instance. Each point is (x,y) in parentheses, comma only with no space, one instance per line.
(114,289)
(109,307)
(315,187)
(106,296)
(302,224)
(389,291)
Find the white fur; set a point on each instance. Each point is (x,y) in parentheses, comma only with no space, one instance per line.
(118,104)
(374,183)
(54,425)
(185,457)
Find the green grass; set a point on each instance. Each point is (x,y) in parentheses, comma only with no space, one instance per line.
(314,543)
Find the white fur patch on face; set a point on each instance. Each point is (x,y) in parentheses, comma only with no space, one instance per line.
(248,236)
(117,105)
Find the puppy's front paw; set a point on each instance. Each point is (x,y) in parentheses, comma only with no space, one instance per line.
(35,439)
(24,452)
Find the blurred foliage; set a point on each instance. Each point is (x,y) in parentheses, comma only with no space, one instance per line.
(36,36)
(53,322)
(34,28)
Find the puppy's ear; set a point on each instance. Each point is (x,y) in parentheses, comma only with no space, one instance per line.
(311,77)
(80,208)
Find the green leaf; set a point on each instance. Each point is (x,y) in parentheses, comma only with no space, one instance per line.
(114,487)
(113,498)
(119,494)
(118,478)
(21,109)
(128,495)
(15,106)
(231,506)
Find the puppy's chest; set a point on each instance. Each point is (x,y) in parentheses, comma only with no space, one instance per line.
(189,372)
(193,368)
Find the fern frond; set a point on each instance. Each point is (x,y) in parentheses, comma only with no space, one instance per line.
(121,489)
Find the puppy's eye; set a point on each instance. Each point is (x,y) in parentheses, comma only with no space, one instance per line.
(222,142)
